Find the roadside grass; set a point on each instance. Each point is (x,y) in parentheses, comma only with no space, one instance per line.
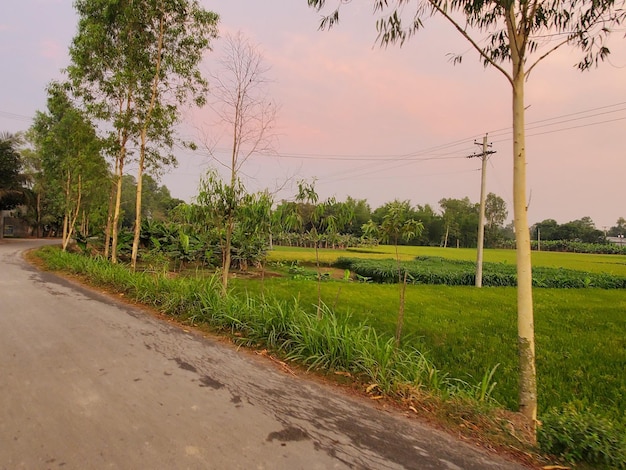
(581,346)
(333,343)
(455,337)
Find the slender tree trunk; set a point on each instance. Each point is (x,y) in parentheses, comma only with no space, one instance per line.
(118,204)
(66,213)
(319,280)
(525,320)
(110,228)
(38,214)
(137,231)
(142,151)
(109,224)
(400,322)
(402,286)
(121,158)
(230,224)
(74,216)
(226,258)
(84,224)
(71,216)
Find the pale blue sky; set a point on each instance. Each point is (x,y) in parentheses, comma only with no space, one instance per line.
(351,112)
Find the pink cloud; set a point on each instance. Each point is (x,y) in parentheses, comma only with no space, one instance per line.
(50,49)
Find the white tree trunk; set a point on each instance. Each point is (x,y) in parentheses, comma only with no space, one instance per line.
(118,204)
(525,319)
(135,250)
(142,150)
(226,257)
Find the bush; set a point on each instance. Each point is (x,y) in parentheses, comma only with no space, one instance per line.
(578,435)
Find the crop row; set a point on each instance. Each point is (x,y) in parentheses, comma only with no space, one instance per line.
(434,270)
(571,246)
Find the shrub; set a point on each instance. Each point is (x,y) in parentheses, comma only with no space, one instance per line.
(578,435)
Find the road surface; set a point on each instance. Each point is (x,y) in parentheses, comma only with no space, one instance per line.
(90,383)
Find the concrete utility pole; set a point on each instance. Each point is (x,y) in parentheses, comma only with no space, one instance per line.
(481,218)
(538,239)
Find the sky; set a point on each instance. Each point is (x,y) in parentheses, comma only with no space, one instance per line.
(374,123)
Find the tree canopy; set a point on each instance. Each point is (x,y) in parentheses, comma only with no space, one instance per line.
(11,178)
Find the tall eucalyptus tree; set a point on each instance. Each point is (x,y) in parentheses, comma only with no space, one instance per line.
(134,62)
(71,159)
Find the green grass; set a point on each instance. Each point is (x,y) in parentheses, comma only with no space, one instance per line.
(581,345)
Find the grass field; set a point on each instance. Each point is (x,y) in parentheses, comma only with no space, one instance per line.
(580,333)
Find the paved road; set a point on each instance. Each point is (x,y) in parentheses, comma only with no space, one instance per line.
(88,383)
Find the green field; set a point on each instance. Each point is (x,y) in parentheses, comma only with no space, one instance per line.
(610,264)
(580,333)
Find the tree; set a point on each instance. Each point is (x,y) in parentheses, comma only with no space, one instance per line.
(157,202)
(582,230)
(433,225)
(516,31)
(495,215)
(362,213)
(134,62)
(217,207)
(71,159)
(619,228)
(329,218)
(243,108)
(11,178)
(251,237)
(177,33)
(461,220)
(215,210)
(546,230)
(397,224)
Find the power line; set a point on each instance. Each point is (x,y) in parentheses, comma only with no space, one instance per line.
(16,117)
(428,153)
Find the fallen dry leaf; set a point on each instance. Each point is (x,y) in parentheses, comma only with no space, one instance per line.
(341,372)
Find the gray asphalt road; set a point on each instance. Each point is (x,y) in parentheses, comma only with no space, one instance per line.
(89,383)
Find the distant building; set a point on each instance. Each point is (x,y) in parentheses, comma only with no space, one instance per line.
(13,227)
(617,240)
